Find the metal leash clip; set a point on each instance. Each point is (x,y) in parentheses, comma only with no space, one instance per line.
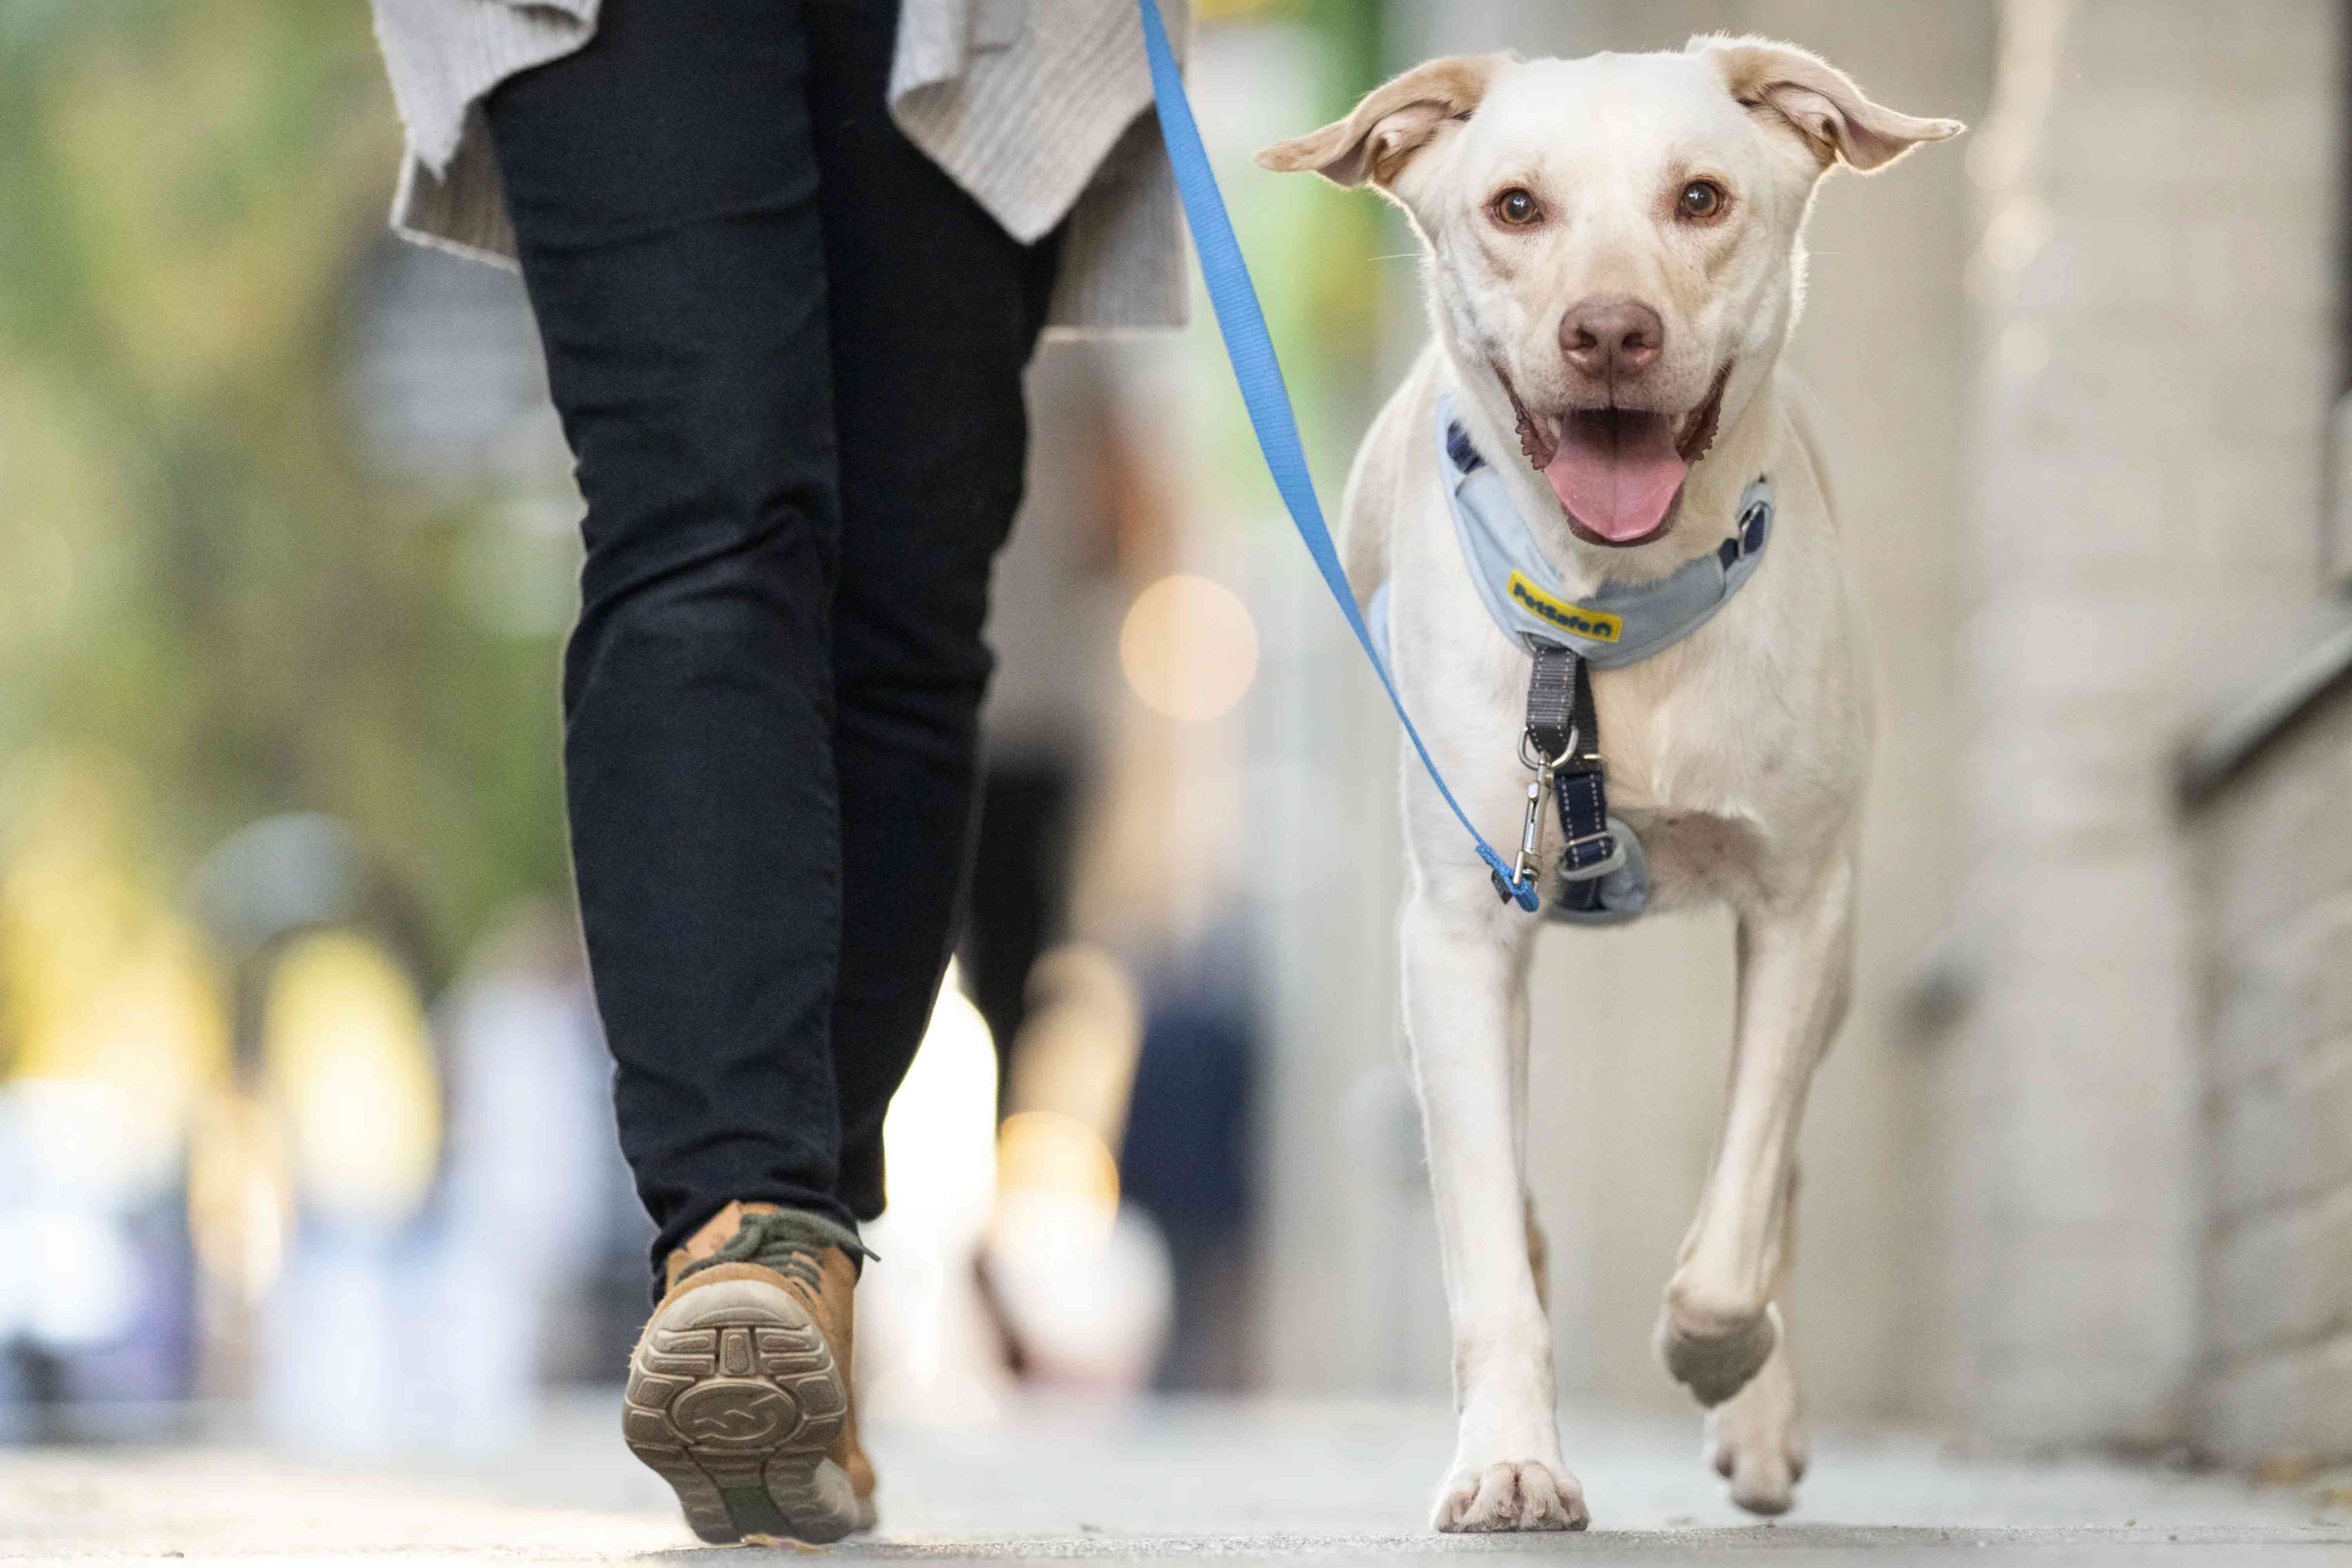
(1539,788)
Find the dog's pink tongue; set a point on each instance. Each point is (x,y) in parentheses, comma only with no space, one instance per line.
(1617,471)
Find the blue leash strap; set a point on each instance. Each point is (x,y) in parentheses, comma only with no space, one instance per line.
(1259,374)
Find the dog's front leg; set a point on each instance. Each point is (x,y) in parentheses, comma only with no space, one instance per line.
(1465,1008)
(1719,1327)
(1756,1438)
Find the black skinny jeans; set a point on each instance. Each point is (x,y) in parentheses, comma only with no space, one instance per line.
(787,350)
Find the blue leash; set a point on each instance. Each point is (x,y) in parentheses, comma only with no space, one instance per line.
(1247,344)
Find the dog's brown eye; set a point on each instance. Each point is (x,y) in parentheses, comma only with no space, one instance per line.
(1701,198)
(1516,207)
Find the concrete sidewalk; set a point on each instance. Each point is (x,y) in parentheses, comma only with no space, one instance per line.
(1237,1481)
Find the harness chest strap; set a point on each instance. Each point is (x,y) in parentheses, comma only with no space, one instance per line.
(1564,729)
(1603,877)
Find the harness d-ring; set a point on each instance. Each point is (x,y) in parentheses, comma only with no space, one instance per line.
(1527,739)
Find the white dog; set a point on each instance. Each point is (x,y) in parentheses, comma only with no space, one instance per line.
(1614,263)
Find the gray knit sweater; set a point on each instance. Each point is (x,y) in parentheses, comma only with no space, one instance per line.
(1041,109)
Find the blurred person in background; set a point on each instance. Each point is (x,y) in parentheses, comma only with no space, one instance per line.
(1121,1194)
(788,262)
(1058,594)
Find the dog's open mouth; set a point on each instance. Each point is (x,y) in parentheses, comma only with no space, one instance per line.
(1617,471)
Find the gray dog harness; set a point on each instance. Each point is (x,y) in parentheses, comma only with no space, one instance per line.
(1603,876)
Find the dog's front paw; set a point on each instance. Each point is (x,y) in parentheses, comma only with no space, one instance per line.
(1525,1494)
(1755,1441)
(1714,1354)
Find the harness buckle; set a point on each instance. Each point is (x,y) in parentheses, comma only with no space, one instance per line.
(1568,872)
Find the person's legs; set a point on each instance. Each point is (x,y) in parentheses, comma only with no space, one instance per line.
(935,311)
(663,183)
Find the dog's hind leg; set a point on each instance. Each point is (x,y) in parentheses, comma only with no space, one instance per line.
(1465,1007)
(1756,1438)
(1719,1327)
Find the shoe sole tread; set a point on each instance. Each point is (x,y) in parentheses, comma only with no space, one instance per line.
(734,1399)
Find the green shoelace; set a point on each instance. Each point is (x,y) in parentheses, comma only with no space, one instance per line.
(791,1242)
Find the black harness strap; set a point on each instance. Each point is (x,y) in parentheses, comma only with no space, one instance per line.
(1563,724)
(1552,691)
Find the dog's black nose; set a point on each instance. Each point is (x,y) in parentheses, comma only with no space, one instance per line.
(1612,337)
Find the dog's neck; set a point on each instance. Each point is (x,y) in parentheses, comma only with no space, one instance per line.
(1744,449)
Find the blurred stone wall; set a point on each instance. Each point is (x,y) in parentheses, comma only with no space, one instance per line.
(2274,851)
(2155,291)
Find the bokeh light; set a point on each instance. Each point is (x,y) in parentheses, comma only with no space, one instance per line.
(351,1067)
(927,1351)
(1188,647)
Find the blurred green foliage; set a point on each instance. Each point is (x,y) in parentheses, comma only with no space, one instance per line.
(1315,250)
(1354,225)
(204,586)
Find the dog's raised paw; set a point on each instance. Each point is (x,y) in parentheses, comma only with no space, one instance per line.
(1514,1495)
(1715,1357)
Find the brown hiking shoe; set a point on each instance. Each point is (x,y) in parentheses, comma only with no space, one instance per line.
(738,1388)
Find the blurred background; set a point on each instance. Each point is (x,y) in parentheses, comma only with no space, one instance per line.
(300,1081)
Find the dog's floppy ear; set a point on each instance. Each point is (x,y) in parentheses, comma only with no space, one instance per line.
(1396,120)
(1818,102)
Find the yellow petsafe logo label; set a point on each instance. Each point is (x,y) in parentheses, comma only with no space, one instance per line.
(1598,625)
